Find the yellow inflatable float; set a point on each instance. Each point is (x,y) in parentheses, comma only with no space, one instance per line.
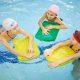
(21,44)
(60,54)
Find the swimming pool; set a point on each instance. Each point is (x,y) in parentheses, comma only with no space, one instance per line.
(27,14)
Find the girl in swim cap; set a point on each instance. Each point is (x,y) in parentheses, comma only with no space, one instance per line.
(73,43)
(11,29)
(51,15)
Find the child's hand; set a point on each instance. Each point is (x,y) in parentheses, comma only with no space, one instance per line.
(53,64)
(45,31)
(48,27)
(48,52)
(30,49)
(30,55)
(30,52)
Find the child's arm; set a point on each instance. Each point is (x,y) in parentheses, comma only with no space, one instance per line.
(61,26)
(21,31)
(44,30)
(76,55)
(48,52)
(6,44)
(65,43)
(55,64)
(41,20)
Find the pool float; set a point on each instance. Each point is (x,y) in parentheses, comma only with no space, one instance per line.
(52,33)
(60,54)
(21,44)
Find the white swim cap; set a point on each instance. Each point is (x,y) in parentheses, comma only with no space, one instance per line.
(8,24)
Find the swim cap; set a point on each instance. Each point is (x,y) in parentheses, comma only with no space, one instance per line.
(8,24)
(76,35)
(54,8)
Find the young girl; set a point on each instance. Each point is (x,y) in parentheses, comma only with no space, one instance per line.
(73,43)
(51,15)
(11,29)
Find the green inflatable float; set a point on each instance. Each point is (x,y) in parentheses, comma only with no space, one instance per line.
(52,33)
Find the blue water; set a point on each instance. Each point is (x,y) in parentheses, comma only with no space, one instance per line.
(27,13)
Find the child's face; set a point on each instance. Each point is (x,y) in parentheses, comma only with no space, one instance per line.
(14,30)
(50,15)
(74,42)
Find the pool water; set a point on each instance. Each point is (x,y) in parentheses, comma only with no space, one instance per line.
(27,13)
